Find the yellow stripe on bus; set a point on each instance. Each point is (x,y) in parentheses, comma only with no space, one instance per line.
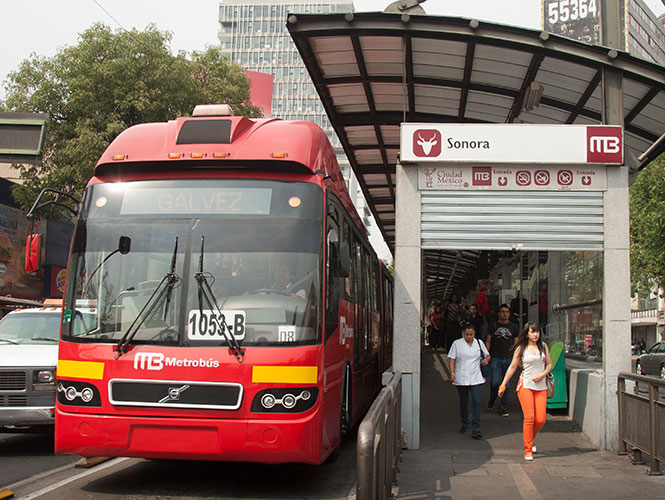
(284,374)
(80,369)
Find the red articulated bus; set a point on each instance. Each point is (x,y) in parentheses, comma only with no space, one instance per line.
(222,300)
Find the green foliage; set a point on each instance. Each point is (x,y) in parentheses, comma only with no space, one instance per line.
(106,83)
(647,227)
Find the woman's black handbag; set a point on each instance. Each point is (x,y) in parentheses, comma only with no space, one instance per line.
(484,369)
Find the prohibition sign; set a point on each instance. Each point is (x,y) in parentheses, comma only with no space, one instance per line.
(541,177)
(565,177)
(523,178)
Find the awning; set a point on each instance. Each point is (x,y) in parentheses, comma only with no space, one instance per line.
(376,70)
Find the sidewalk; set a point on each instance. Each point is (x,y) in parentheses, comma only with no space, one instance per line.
(450,465)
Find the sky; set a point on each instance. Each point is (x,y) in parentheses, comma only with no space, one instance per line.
(44,26)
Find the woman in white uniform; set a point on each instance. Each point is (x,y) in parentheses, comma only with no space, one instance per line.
(532,354)
(465,356)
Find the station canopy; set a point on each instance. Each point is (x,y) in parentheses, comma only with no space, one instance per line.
(374,71)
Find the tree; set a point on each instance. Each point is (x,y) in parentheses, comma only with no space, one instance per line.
(108,82)
(647,227)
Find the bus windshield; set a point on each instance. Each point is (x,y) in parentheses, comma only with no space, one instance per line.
(140,246)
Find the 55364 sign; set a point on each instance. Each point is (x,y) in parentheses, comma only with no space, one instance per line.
(577,19)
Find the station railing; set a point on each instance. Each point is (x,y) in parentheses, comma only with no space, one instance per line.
(379,443)
(636,410)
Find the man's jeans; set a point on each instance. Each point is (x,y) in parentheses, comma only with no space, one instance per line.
(498,369)
(475,391)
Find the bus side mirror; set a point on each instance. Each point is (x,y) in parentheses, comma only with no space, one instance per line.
(124,245)
(32,253)
(344,259)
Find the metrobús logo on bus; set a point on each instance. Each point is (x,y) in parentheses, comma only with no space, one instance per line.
(345,331)
(157,361)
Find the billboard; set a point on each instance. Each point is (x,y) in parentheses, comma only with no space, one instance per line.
(579,19)
(14,281)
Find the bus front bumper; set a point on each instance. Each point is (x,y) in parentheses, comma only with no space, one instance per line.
(251,440)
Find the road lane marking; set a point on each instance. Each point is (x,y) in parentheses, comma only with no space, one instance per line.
(64,482)
(41,475)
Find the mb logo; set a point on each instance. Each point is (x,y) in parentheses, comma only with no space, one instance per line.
(427,143)
(148,361)
(604,145)
(482,176)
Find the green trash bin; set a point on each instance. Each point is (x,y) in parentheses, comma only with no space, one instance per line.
(560,398)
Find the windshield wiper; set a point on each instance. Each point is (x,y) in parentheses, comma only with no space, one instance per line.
(163,291)
(10,341)
(50,339)
(205,293)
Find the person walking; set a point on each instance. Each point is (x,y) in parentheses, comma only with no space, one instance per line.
(465,357)
(437,328)
(478,321)
(481,301)
(500,340)
(534,357)
(451,315)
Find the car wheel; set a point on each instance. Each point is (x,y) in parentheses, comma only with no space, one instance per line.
(662,371)
(638,368)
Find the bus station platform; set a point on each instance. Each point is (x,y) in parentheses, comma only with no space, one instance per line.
(450,465)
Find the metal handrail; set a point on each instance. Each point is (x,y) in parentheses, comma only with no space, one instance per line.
(631,430)
(379,444)
(556,308)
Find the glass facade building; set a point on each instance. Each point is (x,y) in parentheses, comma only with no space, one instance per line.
(253,34)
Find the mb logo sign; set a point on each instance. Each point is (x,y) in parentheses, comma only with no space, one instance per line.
(604,145)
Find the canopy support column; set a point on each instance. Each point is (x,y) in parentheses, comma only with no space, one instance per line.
(616,261)
(408,304)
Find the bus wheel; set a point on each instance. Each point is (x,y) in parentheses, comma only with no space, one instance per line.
(347,415)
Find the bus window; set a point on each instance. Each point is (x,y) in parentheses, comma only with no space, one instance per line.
(332,288)
(348,281)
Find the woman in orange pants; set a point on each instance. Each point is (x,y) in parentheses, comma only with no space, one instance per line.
(534,358)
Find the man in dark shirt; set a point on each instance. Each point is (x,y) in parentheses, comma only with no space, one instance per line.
(478,321)
(516,316)
(501,339)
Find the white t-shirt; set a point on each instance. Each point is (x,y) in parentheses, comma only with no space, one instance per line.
(467,361)
(532,366)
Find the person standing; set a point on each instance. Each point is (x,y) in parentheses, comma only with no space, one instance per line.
(500,340)
(465,356)
(534,356)
(451,315)
(481,301)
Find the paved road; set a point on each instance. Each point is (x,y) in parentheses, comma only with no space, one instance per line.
(148,479)
(24,455)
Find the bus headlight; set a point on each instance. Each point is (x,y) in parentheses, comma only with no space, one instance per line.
(71,393)
(288,401)
(282,400)
(87,395)
(268,401)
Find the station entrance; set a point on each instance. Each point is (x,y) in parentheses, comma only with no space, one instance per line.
(559,290)
(532,225)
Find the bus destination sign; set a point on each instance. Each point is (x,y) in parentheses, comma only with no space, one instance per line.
(230,201)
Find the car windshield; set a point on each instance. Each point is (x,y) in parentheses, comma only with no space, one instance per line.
(30,328)
(137,268)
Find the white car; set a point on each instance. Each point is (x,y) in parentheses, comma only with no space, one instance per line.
(28,358)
